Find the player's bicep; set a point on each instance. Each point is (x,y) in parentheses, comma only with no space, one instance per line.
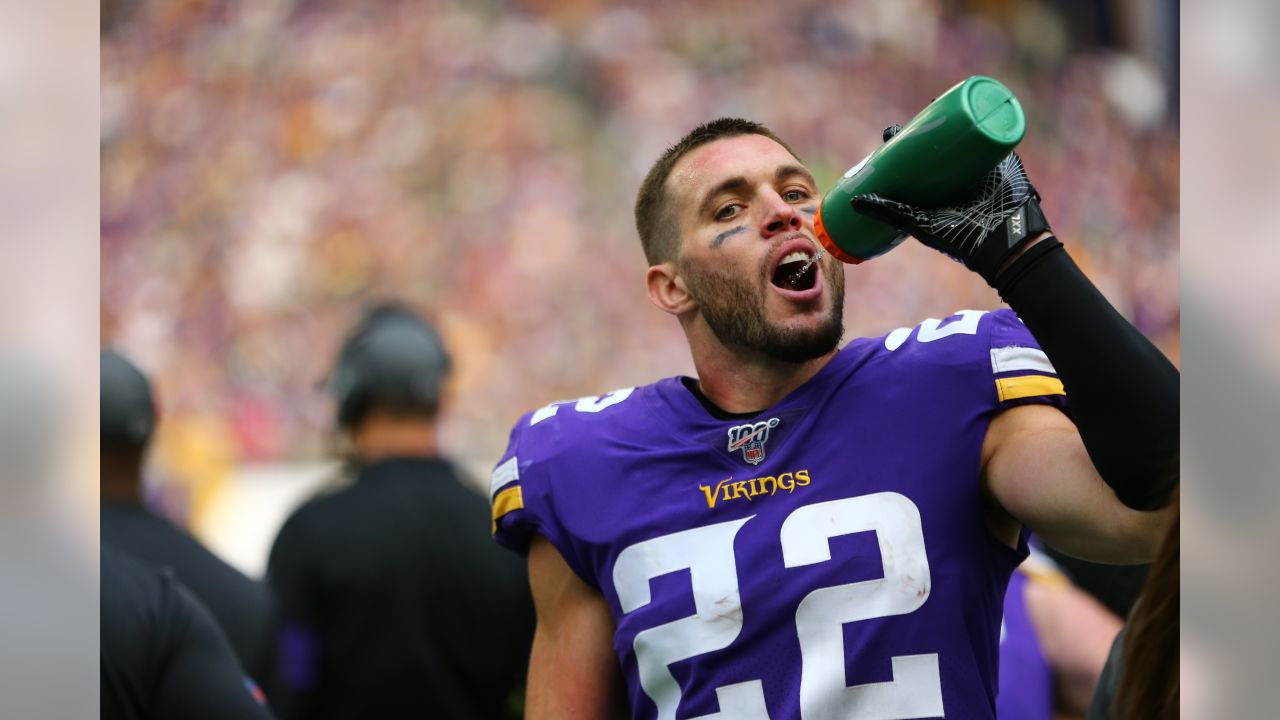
(572,668)
(1036,468)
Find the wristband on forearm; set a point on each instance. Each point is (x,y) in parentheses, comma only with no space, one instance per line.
(1123,391)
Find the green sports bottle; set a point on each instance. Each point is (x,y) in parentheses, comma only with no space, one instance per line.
(936,160)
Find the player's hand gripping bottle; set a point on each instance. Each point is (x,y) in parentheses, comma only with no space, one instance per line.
(936,160)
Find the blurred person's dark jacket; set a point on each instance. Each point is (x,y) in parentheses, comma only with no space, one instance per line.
(163,657)
(395,602)
(241,606)
(128,418)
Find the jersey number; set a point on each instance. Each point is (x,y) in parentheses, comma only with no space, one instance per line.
(707,552)
(588,404)
(933,329)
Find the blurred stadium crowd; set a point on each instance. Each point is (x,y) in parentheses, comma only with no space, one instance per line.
(269,167)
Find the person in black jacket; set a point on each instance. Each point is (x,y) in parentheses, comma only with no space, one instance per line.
(241,606)
(162,655)
(393,600)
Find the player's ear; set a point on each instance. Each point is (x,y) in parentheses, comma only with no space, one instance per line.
(667,290)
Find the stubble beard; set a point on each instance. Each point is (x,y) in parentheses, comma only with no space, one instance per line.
(733,306)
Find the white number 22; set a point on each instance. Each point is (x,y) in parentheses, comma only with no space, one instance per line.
(707,552)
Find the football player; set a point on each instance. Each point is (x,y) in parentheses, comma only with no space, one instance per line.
(806,532)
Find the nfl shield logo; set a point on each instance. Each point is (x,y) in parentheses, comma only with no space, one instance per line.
(750,439)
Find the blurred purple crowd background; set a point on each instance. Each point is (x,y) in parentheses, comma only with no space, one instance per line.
(268,167)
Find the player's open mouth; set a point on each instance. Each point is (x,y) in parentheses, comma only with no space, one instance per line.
(795,272)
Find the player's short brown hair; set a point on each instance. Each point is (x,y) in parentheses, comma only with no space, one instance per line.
(654,222)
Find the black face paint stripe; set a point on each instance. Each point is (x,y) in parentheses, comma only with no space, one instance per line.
(811,210)
(719,239)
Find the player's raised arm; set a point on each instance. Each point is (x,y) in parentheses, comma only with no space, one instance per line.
(1036,468)
(571,670)
(1123,391)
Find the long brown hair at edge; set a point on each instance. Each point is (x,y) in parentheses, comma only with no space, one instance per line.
(1148,686)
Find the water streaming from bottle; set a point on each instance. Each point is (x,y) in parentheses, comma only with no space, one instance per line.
(795,277)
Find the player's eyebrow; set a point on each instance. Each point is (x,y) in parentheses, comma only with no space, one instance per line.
(787,171)
(738,182)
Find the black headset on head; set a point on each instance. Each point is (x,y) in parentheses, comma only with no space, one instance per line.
(392,360)
(128,413)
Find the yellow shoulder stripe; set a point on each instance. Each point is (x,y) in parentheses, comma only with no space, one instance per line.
(510,499)
(1013,388)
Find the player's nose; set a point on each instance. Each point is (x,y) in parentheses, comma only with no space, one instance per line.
(780,215)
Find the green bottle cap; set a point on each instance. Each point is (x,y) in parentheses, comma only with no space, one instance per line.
(995,111)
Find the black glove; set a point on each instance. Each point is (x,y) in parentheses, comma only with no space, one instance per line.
(983,233)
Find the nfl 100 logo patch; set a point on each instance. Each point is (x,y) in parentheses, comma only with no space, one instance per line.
(750,439)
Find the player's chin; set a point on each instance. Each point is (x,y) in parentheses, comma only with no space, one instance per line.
(811,317)
(808,336)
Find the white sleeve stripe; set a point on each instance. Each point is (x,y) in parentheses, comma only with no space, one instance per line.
(1008,359)
(503,474)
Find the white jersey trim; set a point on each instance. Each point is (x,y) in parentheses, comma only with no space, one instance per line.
(503,474)
(1009,359)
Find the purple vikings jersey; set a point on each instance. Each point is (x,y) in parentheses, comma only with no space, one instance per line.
(827,558)
(1026,680)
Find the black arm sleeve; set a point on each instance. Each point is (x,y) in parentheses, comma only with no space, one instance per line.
(1123,391)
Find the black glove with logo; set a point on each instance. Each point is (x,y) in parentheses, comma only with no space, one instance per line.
(983,233)
(1124,392)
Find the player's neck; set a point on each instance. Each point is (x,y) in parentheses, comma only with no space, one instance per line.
(120,477)
(120,491)
(739,382)
(381,437)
